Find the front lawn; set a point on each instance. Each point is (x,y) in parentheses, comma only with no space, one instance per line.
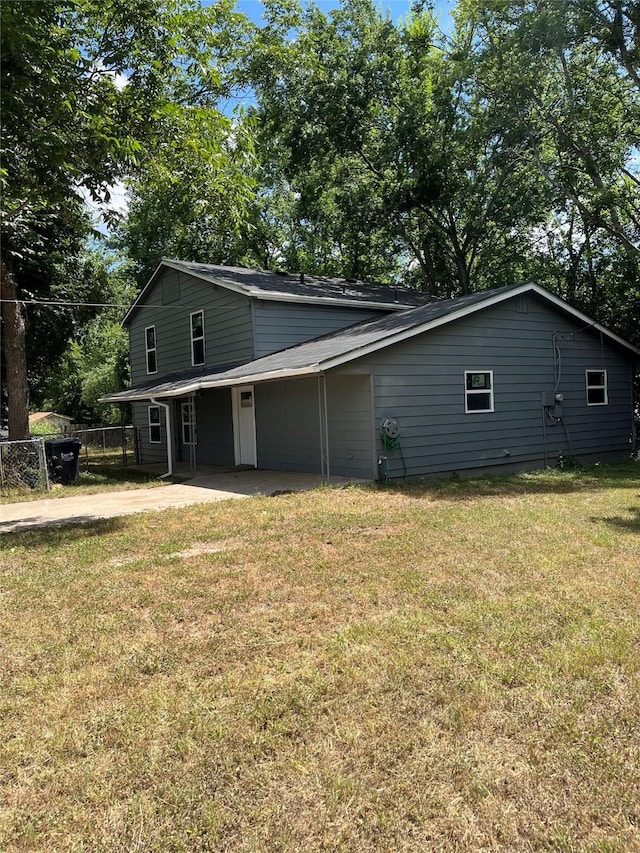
(92,481)
(445,666)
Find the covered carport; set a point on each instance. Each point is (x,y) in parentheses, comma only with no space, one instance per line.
(300,420)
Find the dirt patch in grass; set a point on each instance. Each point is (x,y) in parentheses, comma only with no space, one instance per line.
(349,670)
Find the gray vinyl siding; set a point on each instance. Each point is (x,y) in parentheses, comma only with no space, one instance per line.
(421,383)
(149,453)
(287,426)
(349,416)
(228,330)
(279,325)
(214,424)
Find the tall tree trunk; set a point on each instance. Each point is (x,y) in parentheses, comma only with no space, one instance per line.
(14,340)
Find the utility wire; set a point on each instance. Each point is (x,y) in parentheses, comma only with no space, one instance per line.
(55,304)
(51,302)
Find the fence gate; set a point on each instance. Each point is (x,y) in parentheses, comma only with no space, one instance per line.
(23,465)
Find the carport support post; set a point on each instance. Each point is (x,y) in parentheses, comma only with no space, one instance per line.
(192,446)
(324,429)
(123,436)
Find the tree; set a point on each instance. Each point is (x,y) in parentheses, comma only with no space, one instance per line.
(562,75)
(86,89)
(91,358)
(192,198)
(364,104)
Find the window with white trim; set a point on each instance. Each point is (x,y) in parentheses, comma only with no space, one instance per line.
(188,424)
(596,381)
(150,346)
(478,391)
(197,338)
(154,425)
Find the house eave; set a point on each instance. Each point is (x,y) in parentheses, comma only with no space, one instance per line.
(327,300)
(204,384)
(255,293)
(468,310)
(221,381)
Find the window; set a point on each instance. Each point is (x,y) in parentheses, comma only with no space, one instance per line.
(188,424)
(597,388)
(197,338)
(154,424)
(478,391)
(150,344)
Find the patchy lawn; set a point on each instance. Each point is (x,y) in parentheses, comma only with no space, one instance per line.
(91,482)
(446,666)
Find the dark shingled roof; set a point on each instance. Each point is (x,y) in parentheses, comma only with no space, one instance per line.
(297,287)
(297,284)
(346,345)
(310,357)
(356,337)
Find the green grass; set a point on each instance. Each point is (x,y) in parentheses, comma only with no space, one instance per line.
(92,480)
(440,666)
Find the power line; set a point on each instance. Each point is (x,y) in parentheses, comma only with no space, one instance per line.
(58,304)
(65,304)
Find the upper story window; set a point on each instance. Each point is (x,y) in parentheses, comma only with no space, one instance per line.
(150,345)
(197,338)
(597,388)
(478,395)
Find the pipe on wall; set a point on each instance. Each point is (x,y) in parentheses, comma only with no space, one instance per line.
(324,429)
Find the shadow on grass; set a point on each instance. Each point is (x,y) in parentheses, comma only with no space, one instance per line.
(624,475)
(631,524)
(105,474)
(59,532)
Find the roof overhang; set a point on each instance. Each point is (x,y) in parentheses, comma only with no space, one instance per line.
(255,375)
(256,293)
(472,309)
(186,388)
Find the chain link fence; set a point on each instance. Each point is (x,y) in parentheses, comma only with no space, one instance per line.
(111,447)
(23,466)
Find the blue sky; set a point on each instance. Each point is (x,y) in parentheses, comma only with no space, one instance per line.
(398,9)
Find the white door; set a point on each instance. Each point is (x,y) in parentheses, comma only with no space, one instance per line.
(244,425)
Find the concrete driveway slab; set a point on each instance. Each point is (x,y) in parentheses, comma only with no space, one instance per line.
(202,489)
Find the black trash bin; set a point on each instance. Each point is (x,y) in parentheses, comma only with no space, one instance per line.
(63,458)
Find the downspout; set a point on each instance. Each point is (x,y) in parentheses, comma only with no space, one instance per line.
(326,425)
(167,416)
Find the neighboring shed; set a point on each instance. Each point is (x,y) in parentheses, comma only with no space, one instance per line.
(500,380)
(52,421)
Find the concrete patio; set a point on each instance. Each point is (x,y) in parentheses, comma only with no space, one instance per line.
(207,487)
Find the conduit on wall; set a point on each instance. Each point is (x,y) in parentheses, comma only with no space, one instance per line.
(324,429)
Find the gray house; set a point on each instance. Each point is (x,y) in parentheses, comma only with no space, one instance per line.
(237,367)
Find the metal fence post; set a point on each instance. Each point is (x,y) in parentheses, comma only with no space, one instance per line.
(42,456)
